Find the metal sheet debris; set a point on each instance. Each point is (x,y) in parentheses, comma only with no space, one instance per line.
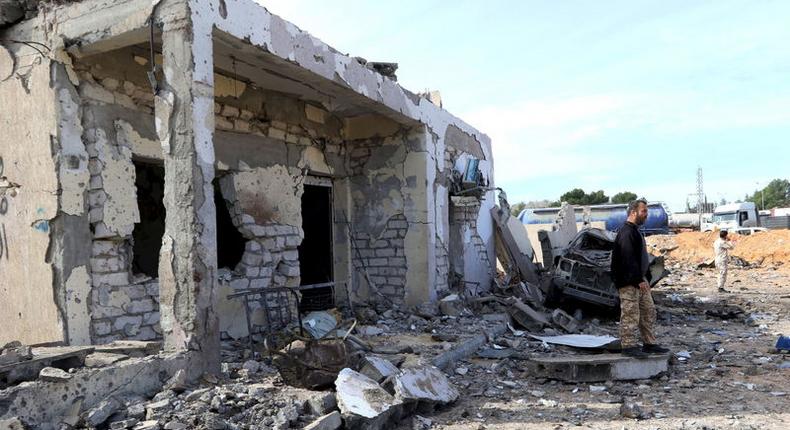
(319,323)
(578,340)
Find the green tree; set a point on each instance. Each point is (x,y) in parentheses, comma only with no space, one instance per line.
(775,195)
(517,208)
(597,198)
(624,197)
(577,196)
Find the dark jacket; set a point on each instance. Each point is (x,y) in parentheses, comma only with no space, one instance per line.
(629,257)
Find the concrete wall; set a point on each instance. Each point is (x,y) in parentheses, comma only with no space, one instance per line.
(28,199)
(387,152)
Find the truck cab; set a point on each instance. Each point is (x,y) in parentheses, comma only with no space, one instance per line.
(734,216)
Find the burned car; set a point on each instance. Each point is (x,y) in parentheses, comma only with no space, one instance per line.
(583,270)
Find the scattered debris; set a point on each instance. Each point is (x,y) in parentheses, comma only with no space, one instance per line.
(314,364)
(364,403)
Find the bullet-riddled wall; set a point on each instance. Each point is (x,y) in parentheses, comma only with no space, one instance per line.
(85,192)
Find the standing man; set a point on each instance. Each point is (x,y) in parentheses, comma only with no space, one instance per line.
(629,272)
(722,247)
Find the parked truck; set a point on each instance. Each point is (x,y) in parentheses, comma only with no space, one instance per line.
(740,218)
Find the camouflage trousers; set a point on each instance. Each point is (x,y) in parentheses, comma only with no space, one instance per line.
(636,311)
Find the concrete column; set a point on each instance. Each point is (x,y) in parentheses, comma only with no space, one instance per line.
(420,242)
(185,124)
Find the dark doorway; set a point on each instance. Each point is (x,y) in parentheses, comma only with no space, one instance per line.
(315,252)
(147,234)
(230,242)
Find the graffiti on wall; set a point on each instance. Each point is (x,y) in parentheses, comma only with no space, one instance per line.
(4,187)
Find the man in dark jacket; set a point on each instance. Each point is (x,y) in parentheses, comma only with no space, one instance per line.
(629,272)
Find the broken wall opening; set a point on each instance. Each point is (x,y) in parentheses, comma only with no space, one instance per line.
(230,242)
(147,234)
(315,251)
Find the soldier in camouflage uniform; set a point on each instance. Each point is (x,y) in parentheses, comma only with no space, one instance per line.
(630,275)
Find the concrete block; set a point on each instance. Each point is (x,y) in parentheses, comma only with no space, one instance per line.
(102,327)
(599,367)
(327,422)
(288,270)
(363,403)
(53,374)
(125,424)
(322,404)
(102,359)
(426,385)
(564,320)
(151,318)
(230,111)
(156,410)
(130,324)
(114,279)
(377,368)
(99,414)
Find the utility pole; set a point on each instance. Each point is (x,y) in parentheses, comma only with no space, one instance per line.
(700,196)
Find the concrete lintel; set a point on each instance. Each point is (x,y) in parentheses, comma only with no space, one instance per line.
(100,25)
(184,111)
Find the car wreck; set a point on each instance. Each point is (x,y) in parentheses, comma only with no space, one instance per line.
(583,270)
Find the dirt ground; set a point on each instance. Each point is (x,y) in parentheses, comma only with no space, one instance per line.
(724,372)
(732,378)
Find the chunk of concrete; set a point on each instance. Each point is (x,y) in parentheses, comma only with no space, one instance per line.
(124,424)
(598,367)
(525,316)
(327,422)
(178,382)
(12,424)
(564,320)
(322,403)
(156,410)
(377,368)
(451,305)
(148,425)
(103,359)
(363,403)
(53,374)
(427,386)
(99,414)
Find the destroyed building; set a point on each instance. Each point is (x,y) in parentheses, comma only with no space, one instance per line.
(159,156)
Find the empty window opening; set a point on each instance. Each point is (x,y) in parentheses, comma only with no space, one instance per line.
(315,251)
(147,234)
(230,242)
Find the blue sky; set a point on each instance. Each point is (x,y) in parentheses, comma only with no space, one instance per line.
(612,95)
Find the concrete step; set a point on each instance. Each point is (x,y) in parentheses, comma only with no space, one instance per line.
(598,367)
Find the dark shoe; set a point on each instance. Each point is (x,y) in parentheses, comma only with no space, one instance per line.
(635,352)
(654,349)
(722,290)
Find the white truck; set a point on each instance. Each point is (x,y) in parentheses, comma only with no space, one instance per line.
(741,218)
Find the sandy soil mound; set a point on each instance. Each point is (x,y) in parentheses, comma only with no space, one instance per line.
(769,248)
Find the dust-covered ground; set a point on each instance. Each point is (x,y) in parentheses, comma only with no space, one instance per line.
(724,372)
(732,378)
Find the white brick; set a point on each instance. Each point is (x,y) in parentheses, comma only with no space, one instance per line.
(111,279)
(230,111)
